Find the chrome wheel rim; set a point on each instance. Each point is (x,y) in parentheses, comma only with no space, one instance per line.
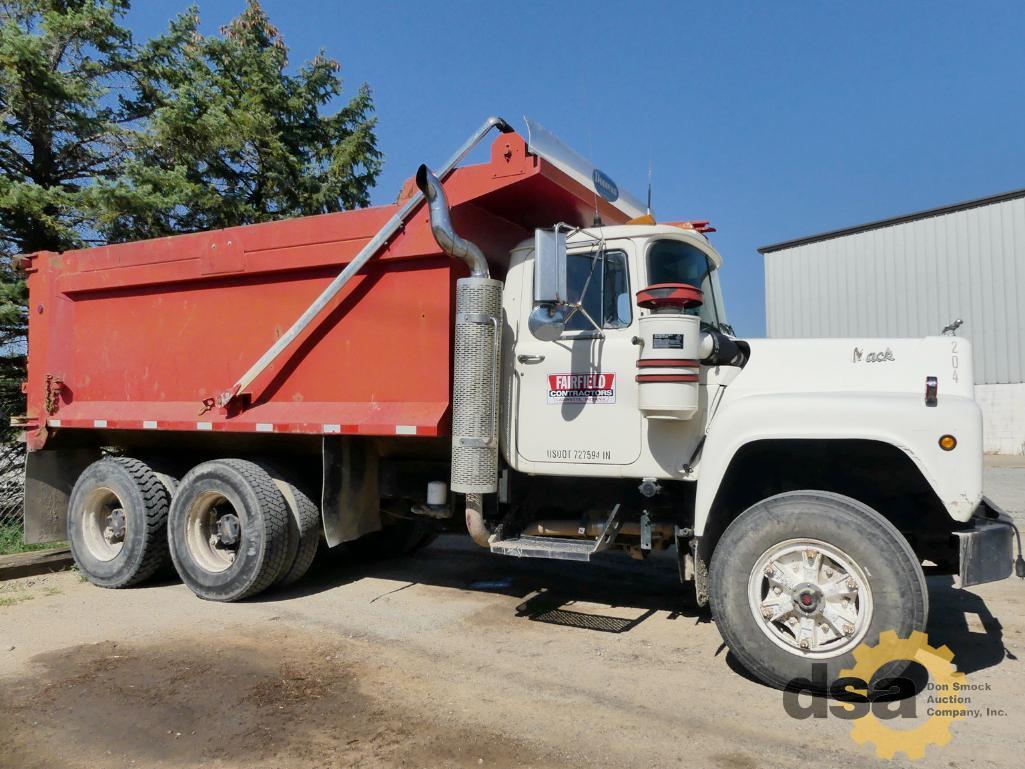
(104,524)
(810,598)
(213,531)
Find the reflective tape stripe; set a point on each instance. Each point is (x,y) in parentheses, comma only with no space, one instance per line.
(264,427)
(99,423)
(667,363)
(642,378)
(149,424)
(405,429)
(204,426)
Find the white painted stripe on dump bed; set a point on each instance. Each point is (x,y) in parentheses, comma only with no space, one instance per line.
(405,429)
(99,423)
(332,428)
(264,427)
(149,424)
(204,426)
(53,422)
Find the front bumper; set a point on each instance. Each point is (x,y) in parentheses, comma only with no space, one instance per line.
(987,548)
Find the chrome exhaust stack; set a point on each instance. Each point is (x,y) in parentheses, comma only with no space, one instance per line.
(441,225)
(476,363)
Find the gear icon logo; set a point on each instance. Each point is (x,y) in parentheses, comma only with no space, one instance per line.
(938,661)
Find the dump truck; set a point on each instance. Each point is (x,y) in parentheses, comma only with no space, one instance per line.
(517,350)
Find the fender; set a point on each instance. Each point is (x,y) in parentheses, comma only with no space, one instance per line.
(899,419)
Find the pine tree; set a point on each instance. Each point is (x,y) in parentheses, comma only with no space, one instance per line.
(236,139)
(67,97)
(103,140)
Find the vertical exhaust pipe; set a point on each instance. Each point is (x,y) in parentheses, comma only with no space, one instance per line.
(441,225)
(476,363)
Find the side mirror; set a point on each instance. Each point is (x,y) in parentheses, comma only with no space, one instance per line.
(548,319)
(549,267)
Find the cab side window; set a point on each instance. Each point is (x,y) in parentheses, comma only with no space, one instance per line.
(602,286)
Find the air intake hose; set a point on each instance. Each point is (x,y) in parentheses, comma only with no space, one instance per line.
(717,349)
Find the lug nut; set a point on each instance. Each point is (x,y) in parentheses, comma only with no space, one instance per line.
(848,630)
(769,571)
(829,572)
(777,590)
(804,643)
(851,584)
(767,612)
(824,627)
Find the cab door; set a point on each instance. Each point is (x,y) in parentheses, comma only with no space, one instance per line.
(577,398)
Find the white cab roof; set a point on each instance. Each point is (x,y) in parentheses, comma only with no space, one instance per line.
(637,231)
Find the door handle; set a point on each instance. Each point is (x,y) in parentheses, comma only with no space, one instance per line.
(530,358)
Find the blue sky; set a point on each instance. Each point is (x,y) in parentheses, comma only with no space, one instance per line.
(773,120)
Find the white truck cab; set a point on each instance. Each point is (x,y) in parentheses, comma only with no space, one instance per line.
(803,482)
(573,402)
(576,398)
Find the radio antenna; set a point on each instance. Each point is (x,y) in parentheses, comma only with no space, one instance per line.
(590,151)
(649,183)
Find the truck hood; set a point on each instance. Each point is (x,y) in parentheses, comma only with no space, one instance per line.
(858,365)
(870,389)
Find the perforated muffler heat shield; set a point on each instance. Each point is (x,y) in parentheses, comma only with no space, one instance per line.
(475,386)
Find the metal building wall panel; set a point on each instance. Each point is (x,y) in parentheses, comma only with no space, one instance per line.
(911,279)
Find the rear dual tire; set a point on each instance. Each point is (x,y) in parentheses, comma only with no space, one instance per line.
(117,522)
(303,533)
(228,529)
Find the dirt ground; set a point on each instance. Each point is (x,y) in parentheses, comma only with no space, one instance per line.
(451,658)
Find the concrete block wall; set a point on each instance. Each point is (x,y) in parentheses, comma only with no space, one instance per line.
(1003,417)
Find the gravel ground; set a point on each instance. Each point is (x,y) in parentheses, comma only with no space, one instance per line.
(452,658)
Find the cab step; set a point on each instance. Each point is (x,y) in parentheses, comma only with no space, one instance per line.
(560,548)
(545,547)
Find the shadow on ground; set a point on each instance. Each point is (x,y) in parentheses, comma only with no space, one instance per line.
(633,592)
(548,588)
(961,620)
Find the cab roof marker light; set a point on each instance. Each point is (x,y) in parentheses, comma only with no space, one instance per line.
(700,225)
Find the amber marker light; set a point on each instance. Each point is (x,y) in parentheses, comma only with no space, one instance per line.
(948,442)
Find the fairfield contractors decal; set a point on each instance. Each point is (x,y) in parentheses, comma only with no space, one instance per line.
(597,387)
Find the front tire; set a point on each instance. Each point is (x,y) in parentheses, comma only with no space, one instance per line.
(228,530)
(805,577)
(117,522)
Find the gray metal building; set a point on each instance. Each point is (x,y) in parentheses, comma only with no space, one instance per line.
(910,276)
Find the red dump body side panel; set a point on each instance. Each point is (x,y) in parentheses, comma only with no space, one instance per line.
(136,336)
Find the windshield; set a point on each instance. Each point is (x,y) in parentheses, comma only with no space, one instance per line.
(673,261)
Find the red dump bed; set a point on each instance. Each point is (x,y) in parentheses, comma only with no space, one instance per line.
(137,336)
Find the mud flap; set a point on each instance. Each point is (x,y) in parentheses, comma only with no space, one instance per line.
(50,475)
(350,500)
